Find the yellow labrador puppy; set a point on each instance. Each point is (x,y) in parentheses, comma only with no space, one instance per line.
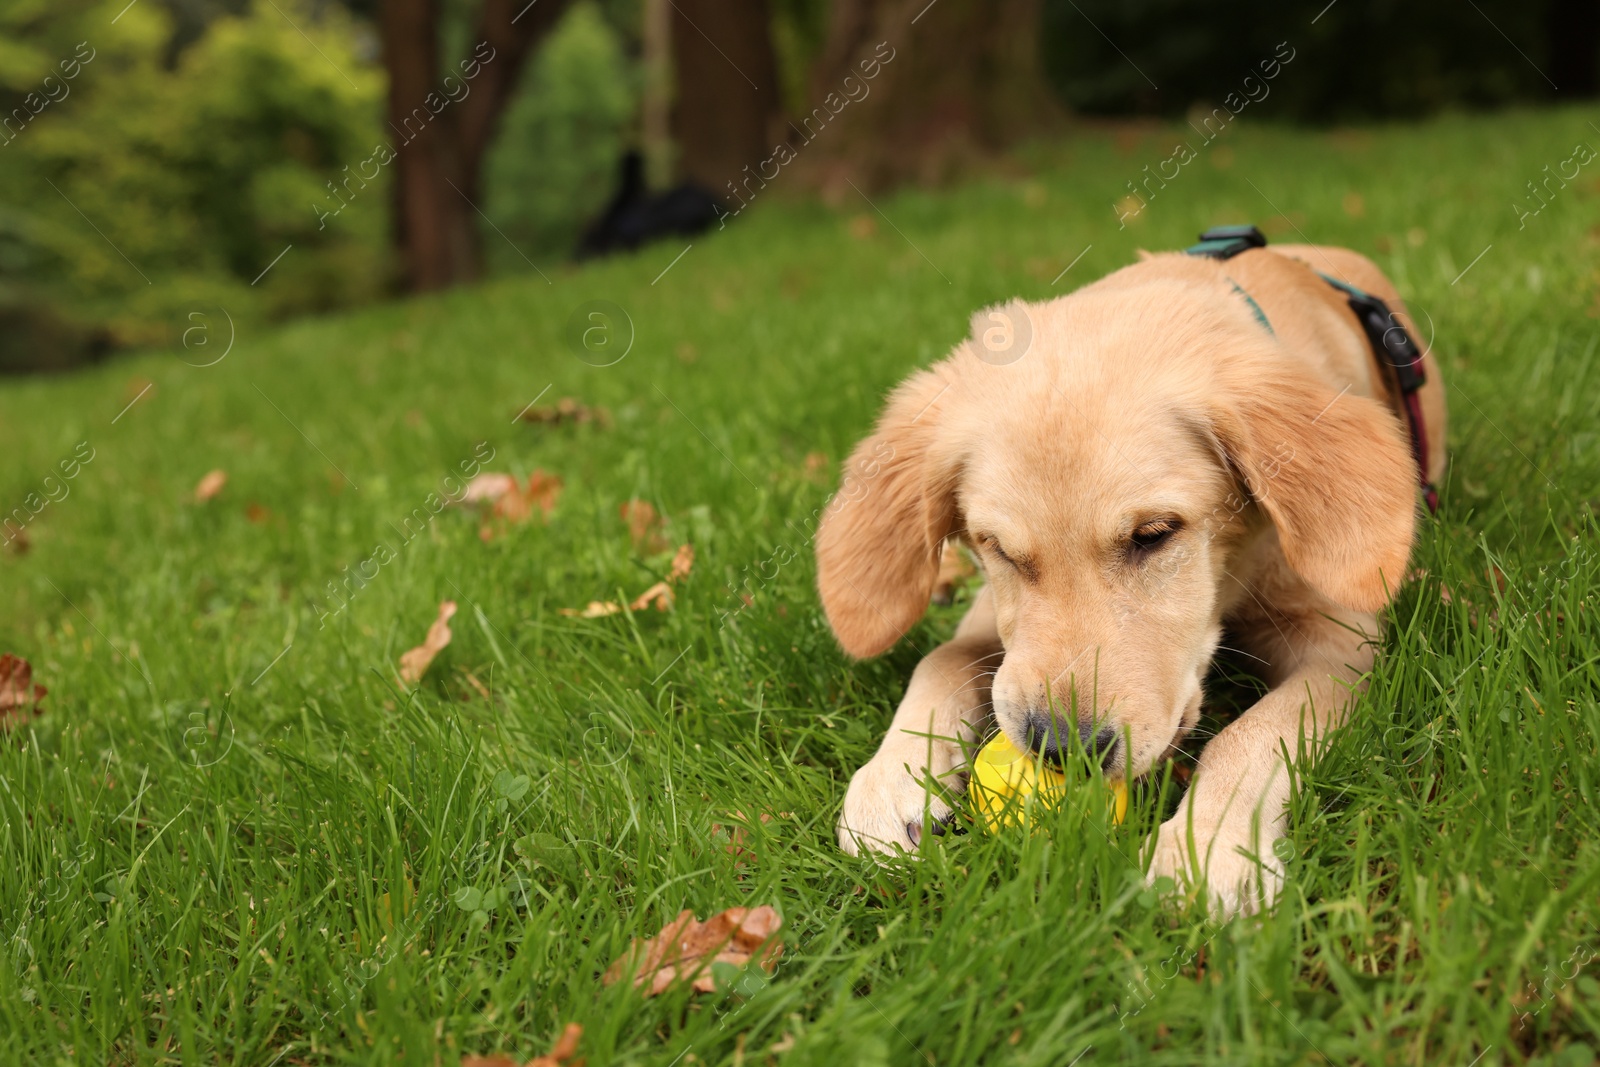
(1189,446)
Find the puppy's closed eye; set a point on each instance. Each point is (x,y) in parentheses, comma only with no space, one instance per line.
(1150,536)
(1021,564)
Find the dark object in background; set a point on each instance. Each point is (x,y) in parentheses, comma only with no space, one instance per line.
(1353,60)
(634,216)
(35,340)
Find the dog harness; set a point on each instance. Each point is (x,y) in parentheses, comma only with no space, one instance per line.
(1391,344)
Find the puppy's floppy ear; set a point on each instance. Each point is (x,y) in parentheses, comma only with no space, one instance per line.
(1335,474)
(879,543)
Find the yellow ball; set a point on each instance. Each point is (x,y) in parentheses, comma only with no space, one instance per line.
(1007,784)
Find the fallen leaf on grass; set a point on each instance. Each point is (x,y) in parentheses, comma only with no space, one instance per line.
(472,680)
(686,949)
(564,1049)
(513,501)
(542,492)
(682,563)
(257,514)
(488,486)
(210,485)
(570,410)
(658,595)
(414,663)
(595,609)
(644,527)
(19,697)
(738,837)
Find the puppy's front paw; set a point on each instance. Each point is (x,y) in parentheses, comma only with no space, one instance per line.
(1241,871)
(884,805)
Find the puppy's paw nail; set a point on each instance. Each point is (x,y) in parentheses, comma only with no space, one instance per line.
(914,831)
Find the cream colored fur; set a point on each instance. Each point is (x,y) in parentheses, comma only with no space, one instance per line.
(1152,399)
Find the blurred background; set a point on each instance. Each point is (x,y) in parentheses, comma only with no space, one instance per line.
(283,158)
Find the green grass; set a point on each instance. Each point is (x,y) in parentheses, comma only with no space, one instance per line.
(215,855)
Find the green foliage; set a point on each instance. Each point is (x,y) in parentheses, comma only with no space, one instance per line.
(799,30)
(151,192)
(555,162)
(232,838)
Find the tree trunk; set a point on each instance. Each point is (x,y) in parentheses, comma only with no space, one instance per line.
(443,123)
(655,98)
(728,96)
(955,81)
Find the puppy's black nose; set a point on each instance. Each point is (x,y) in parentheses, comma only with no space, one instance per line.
(1045,737)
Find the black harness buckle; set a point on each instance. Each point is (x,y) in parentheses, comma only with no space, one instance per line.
(1225,242)
(1390,340)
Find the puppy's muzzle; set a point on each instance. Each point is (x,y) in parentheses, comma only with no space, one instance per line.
(1046,735)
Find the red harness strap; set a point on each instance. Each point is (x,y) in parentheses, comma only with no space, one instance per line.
(1397,351)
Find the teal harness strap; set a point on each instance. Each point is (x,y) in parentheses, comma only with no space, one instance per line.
(1345,287)
(1261,316)
(1390,342)
(1225,242)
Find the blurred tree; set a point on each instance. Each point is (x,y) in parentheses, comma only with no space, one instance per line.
(964,81)
(555,160)
(1360,58)
(728,99)
(140,194)
(445,120)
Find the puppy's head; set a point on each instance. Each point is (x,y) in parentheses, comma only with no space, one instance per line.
(1104,481)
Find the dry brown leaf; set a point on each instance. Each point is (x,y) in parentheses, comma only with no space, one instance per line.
(488,486)
(560,1053)
(567,409)
(595,609)
(414,663)
(510,498)
(686,948)
(210,485)
(19,542)
(542,492)
(257,514)
(19,697)
(564,1049)
(954,566)
(659,595)
(682,564)
(738,836)
(644,527)
(514,502)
